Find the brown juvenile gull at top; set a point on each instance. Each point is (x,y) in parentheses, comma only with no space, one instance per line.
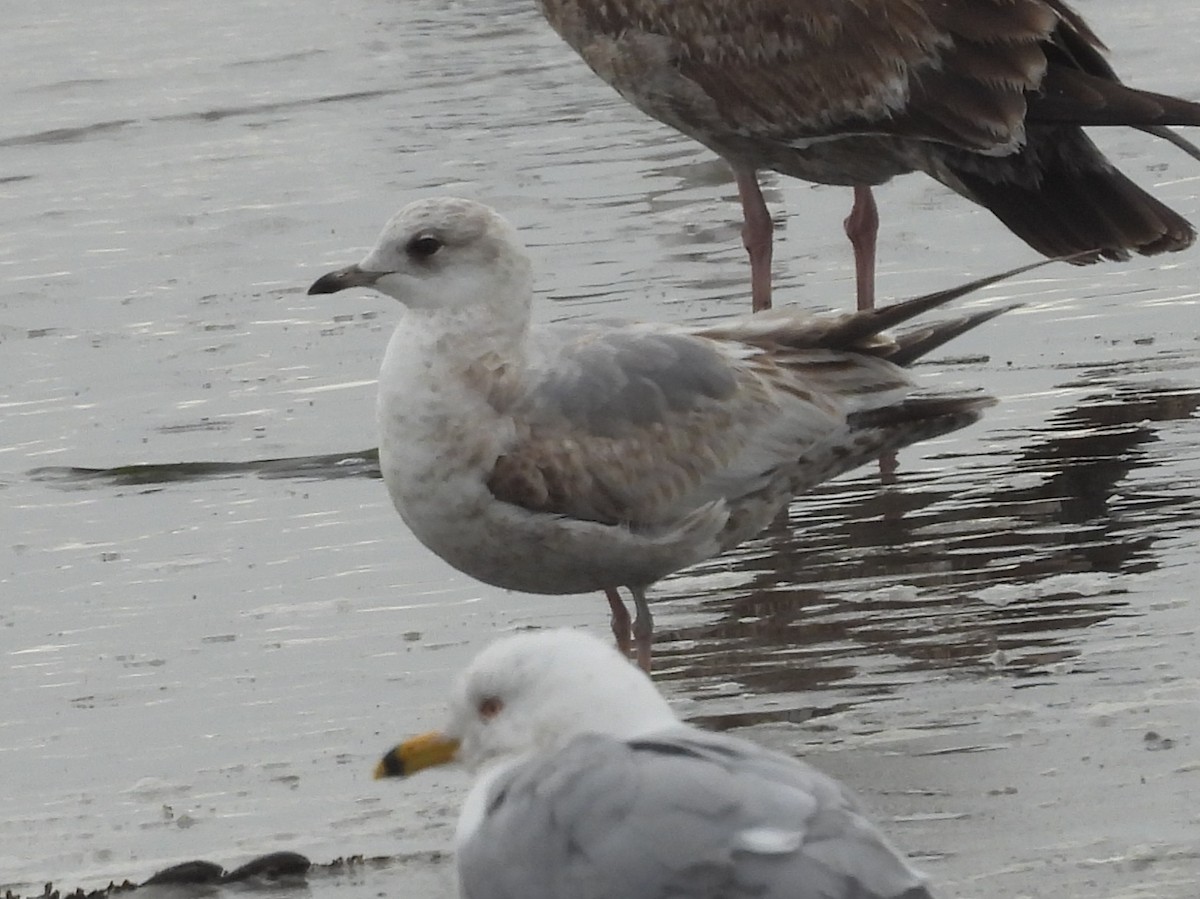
(589,787)
(571,457)
(987,96)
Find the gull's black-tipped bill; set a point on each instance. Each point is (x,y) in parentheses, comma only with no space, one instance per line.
(344,278)
(590,786)
(391,765)
(416,754)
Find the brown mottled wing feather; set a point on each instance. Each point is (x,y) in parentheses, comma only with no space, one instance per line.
(630,426)
(787,71)
(639,426)
(966,73)
(987,96)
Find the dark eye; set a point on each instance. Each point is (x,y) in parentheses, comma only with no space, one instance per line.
(423,246)
(490,707)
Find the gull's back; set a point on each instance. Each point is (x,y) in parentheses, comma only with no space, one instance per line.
(678,813)
(642,425)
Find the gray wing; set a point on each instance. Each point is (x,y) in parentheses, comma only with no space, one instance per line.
(679,814)
(642,425)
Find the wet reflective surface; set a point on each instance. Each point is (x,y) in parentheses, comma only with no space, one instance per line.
(212,621)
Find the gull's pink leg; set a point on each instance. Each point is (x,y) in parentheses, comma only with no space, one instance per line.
(757,232)
(862,227)
(620,621)
(643,628)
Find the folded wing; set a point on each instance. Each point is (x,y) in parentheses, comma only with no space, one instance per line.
(639,427)
(680,813)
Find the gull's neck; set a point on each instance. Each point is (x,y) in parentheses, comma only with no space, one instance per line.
(445,379)
(470,326)
(469,349)
(631,707)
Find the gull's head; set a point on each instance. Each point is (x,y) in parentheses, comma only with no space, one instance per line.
(445,253)
(533,692)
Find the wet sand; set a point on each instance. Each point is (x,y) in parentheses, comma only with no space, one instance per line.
(997,651)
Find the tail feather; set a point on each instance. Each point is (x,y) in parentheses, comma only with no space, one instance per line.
(915,344)
(889,429)
(1069,96)
(1062,197)
(863,331)
(1165,133)
(852,331)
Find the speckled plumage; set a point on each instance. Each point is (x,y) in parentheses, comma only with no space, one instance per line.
(987,96)
(566,458)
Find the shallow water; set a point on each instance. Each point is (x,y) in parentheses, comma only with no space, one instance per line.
(203,660)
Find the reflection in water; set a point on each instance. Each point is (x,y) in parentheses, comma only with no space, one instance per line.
(979,566)
(326,467)
(983,567)
(100,129)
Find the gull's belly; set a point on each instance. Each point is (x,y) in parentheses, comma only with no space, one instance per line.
(438,484)
(498,543)
(439,442)
(450,510)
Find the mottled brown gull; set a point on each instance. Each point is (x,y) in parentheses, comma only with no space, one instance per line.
(987,96)
(566,458)
(589,787)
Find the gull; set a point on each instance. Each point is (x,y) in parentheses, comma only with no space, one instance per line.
(590,787)
(571,457)
(989,97)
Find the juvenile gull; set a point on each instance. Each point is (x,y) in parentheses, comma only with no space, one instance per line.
(590,787)
(987,96)
(566,458)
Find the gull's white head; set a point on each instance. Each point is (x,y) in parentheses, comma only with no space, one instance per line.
(443,254)
(533,692)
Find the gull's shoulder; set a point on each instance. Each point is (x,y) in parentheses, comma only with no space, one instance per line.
(610,376)
(605,817)
(641,425)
